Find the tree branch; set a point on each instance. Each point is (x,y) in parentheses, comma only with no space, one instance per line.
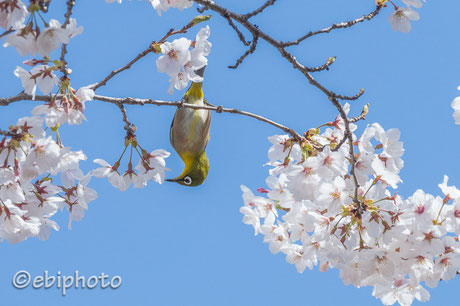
(125,117)
(217,109)
(6,32)
(136,101)
(238,32)
(68,13)
(251,50)
(325,66)
(358,118)
(22,96)
(8,133)
(125,67)
(255,30)
(151,48)
(355,97)
(341,25)
(260,9)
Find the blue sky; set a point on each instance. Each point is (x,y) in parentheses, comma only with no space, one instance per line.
(174,245)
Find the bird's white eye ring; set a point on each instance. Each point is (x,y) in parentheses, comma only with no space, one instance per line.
(187,180)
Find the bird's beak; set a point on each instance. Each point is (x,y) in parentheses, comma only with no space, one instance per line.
(173,180)
(200,72)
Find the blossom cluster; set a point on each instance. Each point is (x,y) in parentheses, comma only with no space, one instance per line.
(38,174)
(29,40)
(402,16)
(151,167)
(180,63)
(314,212)
(30,37)
(30,163)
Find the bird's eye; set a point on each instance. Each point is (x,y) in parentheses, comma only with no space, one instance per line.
(187,180)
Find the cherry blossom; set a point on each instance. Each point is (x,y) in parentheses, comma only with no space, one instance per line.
(41,76)
(110,172)
(414,3)
(152,166)
(401,17)
(66,109)
(456,106)
(164,5)
(180,63)
(24,43)
(12,14)
(51,38)
(175,56)
(45,41)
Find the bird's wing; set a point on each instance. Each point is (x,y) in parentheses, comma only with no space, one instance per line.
(207,125)
(171,134)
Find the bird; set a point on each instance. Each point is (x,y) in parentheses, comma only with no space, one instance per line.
(189,136)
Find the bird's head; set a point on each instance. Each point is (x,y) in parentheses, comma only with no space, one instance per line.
(195,172)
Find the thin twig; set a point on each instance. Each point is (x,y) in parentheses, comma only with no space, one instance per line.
(249,51)
(349,136)
(355,97)
(8,133)
(341,25)
(68,13)
(325,66)
(6,32)
(341,142)
(358,118)
(151,48)
(260,9)
(127,66)
(20,97)
(201,9)
(238,32)
(362,116)
(125,117)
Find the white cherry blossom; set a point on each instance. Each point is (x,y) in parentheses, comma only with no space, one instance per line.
(400,19)
(40,76)
(164,5)
(110,172)
(12,14)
